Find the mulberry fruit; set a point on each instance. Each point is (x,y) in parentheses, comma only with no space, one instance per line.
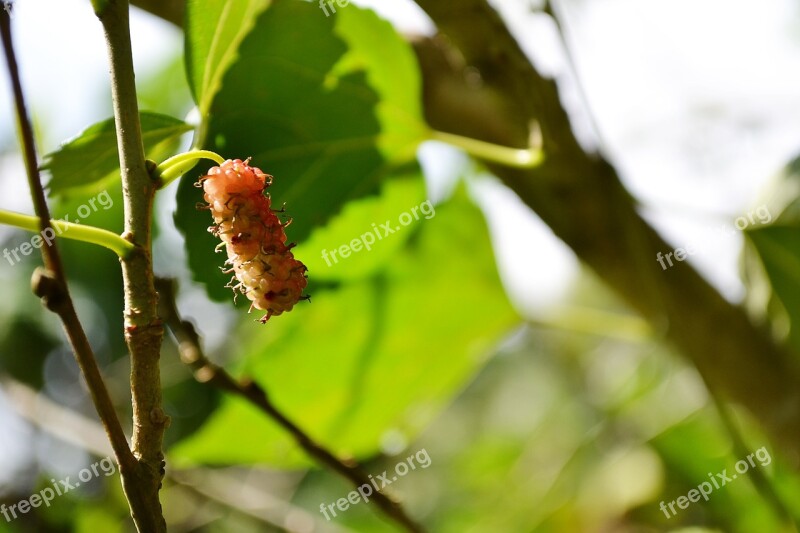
(263,265)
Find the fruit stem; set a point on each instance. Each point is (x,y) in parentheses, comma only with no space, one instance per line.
(69,230)
(178,165)
(511,157)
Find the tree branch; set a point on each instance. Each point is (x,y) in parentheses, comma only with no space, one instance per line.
(207,372)
(143,329)
(50,283)
(581,198)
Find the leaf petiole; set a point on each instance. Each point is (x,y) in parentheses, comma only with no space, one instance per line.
(511,157)
(176,166)
(70,230)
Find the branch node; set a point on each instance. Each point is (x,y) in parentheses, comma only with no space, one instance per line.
(188,353)
(160,418)
(204,374)
(48,288)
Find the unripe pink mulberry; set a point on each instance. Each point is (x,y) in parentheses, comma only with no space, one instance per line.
(261,261)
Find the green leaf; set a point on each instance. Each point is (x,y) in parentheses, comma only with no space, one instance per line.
(778,248)
(386,352)
(698,449)
(214,30)
(361,225)
(392,71)
(92,156)
(328,116)
(771,256)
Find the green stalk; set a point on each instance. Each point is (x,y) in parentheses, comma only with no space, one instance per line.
(144,330)
(178,165)
(510,157)
(70,230)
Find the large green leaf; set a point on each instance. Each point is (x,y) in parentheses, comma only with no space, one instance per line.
(382,352)
(315,103)
(363,221)
(392,72)
(308,109)
(214,30)
(92,156)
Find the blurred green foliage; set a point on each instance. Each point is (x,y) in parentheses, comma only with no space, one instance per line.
(560,425)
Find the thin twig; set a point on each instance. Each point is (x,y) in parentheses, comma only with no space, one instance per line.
(143,329)
(221,488)
(50,284)
(207,372)
(52,259)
